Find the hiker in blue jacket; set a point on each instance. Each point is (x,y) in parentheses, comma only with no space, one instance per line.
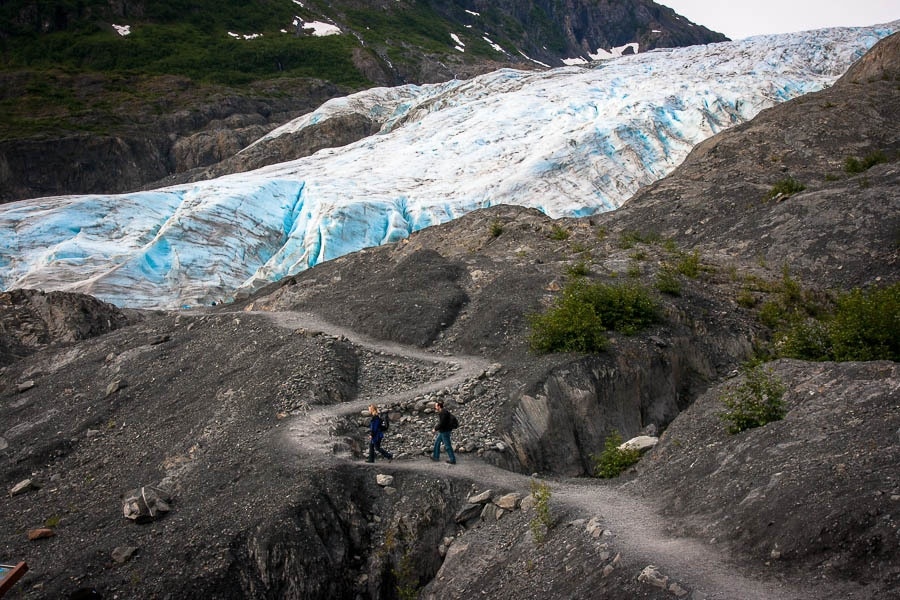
(376,434)
(442,434)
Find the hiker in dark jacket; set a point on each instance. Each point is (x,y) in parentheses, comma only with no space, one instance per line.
(376,434)
(442,430)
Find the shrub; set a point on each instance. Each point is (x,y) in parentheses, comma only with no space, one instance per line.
(625,308)
(614,460)
(578,248)
(405,576)
(570,325)
(805,339)
(579,269)
(786,187)
(559,233)
(790,305)
(866,325)
(863,325)
(579,319)
(854,166)
(746,299)
(667,282)
(496,228)
(755,402)
(543,520)
(689,265)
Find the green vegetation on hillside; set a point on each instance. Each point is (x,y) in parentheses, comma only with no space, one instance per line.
(584,312)
(854,166)
(59,62)
(863,324)
(755,402)
(614,460)
(855,325)
(182,49)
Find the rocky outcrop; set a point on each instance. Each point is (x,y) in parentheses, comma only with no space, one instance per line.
(231,152)
(791,485)
(31,320)
(561,422)
(554,30)
(154,149)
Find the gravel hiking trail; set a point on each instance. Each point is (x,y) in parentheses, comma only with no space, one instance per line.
(637,529)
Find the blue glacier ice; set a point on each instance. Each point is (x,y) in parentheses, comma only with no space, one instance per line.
(570,141)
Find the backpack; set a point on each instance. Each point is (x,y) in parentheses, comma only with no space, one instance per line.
(385,422)
(454,422)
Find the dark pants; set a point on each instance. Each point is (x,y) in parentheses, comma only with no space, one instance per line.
(443,437)
(375,444)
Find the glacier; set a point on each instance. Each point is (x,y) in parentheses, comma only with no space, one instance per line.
(569,141)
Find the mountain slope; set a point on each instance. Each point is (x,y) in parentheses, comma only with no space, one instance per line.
(569,141)
(140,90)
(841,148)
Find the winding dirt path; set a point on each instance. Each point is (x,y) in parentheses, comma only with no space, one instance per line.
(638,530)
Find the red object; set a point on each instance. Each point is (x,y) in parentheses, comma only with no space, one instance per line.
(9,575)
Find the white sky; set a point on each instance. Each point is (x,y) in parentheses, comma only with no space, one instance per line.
(742,19)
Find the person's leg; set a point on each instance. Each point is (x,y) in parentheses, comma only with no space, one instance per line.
(436,455)
(371,451)
(382,451)
(448,444)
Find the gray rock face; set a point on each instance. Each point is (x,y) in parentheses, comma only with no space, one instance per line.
(31,320)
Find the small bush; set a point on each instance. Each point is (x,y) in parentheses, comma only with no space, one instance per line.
(496,228)
(570,325)
(559,233)
(805,339)
(630,238)
(579,248)
(581,316)
(854,166)
(667,282)
(689,265)
(786,187)
(863,325)
(405,576)
(579,269)
(790,305)
(755,402)
(543,520)
(614,460)
(866,325)
(746,299)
